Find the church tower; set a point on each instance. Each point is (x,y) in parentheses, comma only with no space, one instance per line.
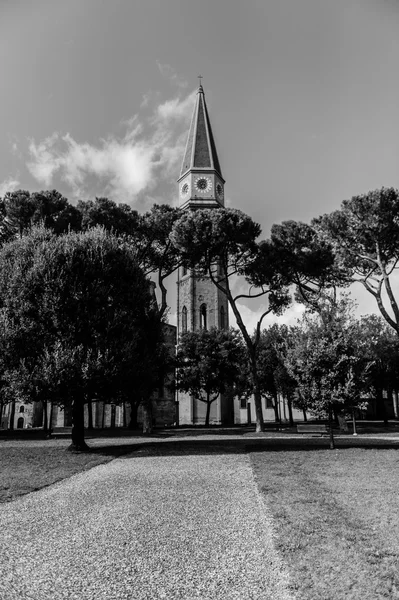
(200,305)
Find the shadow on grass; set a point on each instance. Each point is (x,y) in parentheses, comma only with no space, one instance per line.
(189,447)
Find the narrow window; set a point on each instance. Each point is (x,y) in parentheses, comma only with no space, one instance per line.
(222,318)
(203,317)
(22,409)
(184,271)
(184,319)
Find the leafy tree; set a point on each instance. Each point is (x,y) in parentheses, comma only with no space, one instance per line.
(20,210)
(380,346)
(149,238)
(222,244)
(55,212)
(118,218)
(208,363)
(364,235)
(307,261)
(76,303)
(326,360)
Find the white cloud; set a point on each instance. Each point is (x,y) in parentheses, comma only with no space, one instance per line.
(45,160)
(150,150)
(9,185)
(175,109)
(169,73)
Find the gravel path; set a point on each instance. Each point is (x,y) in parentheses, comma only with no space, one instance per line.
(145,527)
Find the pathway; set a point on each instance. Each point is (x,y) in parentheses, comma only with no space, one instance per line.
(141,528)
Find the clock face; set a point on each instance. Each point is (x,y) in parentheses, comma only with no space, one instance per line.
(219,190)
(185,188)
(203,184)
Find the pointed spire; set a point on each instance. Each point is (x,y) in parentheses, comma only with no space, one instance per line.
(200,149)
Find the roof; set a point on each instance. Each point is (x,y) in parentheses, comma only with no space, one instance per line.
(200,149)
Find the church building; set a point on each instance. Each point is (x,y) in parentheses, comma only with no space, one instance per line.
(200,305)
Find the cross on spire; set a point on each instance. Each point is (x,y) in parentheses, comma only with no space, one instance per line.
(200,88)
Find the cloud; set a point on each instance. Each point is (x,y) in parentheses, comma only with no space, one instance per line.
(149,151)
(9,185)
(169,72)
(251,317)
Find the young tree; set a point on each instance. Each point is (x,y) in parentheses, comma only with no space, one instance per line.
(326,360)
(223,245)
(208,363)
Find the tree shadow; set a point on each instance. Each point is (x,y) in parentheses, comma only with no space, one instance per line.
(188,447)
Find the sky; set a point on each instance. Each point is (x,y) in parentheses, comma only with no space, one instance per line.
(303,97)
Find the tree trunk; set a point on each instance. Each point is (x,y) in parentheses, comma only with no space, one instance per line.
(330,425)
(305,416)
(290,414)
(45,416)
(395,403)
(275,406)
(260,426)
(147,416)
(103,417)
(1,410)
(12,416)
(284,407)
(78,430)
(90,414)
(50,425)
(208,411)
(380,406)
(133,415)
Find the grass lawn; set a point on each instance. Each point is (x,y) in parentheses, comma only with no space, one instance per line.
(337,519)
(24,468)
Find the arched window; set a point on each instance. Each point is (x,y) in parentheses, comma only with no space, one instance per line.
(22,409)
(184,319)
(184,271)
(203,317)
(222,318)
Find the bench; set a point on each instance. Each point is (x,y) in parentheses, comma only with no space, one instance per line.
(312,428)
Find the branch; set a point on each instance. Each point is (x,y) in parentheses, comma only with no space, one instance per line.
(392,300)
(249,296)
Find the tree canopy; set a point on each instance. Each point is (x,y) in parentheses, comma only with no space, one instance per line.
(222,244)
(77,309)
(364,235)
(208,363)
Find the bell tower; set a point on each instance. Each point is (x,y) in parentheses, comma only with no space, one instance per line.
(200,305)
